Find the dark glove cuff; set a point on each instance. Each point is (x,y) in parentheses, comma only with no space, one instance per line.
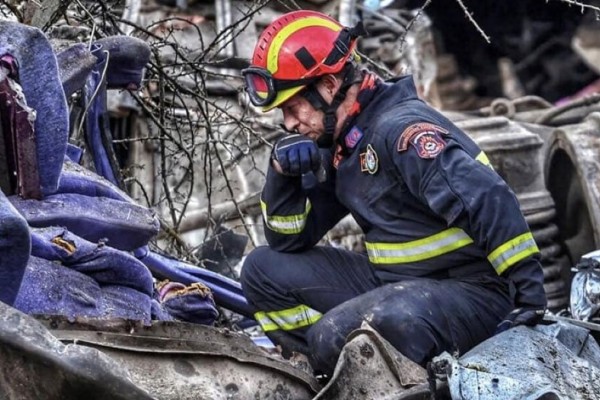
(528,280)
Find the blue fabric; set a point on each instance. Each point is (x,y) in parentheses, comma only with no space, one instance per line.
(74,154)
(126,61)
(104,264)
(15,246)
(193,303)
(53,289)
(159,313)
(74,65)
(94,94)
(125,302)
(227,293)
(50,288)
(119,224)
(79,180)
(39,78)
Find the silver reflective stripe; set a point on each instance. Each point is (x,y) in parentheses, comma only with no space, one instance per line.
(513,251)
(288,319)
(418,250)
(288,224)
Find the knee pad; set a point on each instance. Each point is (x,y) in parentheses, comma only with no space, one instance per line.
(251,263)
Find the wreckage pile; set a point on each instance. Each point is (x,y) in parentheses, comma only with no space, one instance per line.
(79,250)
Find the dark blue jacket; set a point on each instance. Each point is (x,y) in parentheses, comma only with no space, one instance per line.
(424,194)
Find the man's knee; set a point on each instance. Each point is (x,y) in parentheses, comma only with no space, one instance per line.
(399,319)
(413,337)
(253,263)
(266,275)
(325,342)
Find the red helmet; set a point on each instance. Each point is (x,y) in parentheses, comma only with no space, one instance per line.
(294,51)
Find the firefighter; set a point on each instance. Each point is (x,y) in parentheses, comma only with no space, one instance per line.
(449,257)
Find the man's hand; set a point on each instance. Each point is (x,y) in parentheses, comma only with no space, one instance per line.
(295,155)
(529,316)
(530,297)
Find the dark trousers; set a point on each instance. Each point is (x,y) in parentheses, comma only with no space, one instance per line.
(420,317)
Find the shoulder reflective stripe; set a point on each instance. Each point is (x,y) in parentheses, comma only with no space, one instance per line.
(282,35)
(483,158)
(513,251)
(289,224)
(289,319)
(418,250)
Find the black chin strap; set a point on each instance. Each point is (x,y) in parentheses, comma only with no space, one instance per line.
(318,102)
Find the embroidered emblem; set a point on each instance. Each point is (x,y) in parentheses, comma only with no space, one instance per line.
(428,144)
(413,130)
(353,137)
(369,162)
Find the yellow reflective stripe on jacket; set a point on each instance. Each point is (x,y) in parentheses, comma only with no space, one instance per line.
(289,224)
(513,251)
(418,250)
(292,318)
(483,158)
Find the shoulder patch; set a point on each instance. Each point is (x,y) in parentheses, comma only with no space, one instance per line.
(426,138)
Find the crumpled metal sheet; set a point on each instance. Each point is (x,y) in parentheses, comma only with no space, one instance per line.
(53,358)
(559,361)
(585,288)
(35,365)
(181,361)
(370,368)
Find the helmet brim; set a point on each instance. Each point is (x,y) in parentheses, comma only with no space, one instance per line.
(281,97)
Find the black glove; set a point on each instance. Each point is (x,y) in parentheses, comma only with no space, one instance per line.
(530,298)
(297,155)
(529,316)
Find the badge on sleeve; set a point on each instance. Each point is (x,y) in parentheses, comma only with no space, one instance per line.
(353,137)
(426,138)
(369,162)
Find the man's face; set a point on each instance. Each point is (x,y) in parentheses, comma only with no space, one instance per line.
(300,116)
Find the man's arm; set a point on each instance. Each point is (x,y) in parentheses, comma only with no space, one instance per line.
(461,187)
(296,217)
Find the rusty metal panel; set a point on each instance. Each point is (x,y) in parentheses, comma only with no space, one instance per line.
(176,360)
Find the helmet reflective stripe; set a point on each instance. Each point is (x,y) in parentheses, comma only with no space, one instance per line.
(418,250)
(286,32)
(287,320)
(289,224)
(513,251)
